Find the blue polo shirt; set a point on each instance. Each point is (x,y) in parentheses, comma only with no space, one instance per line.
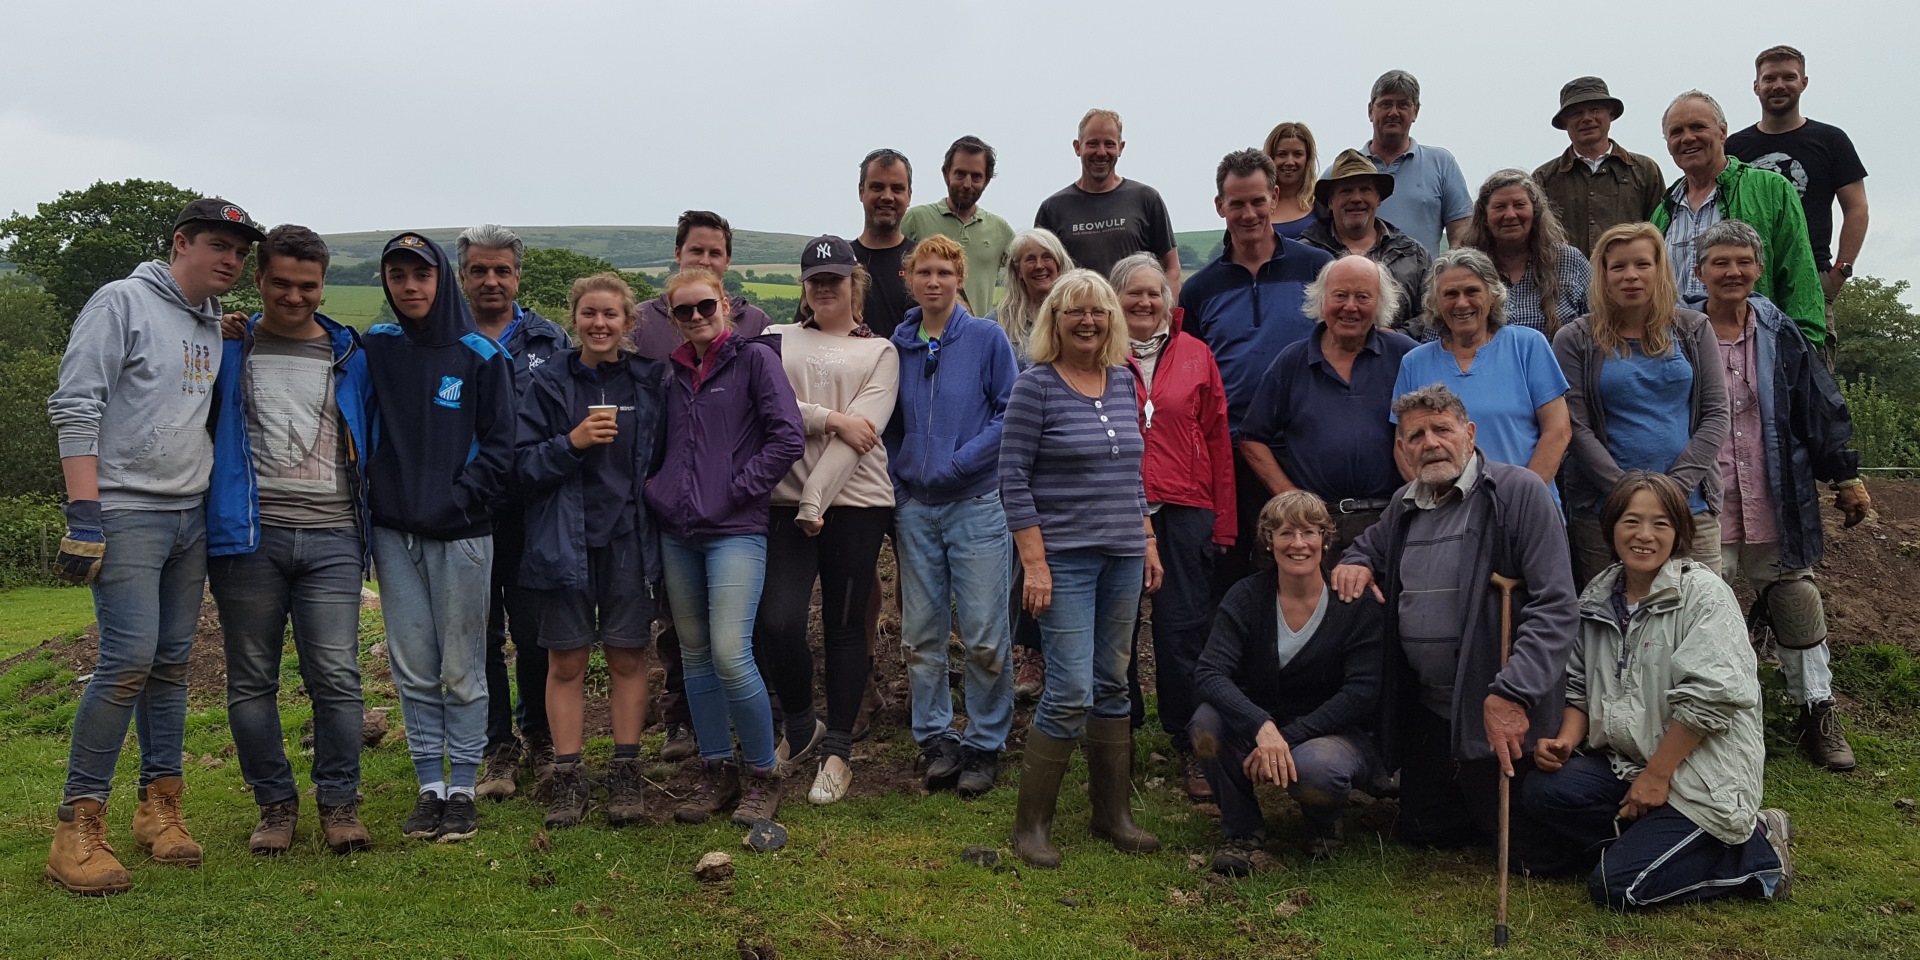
(1332,437)
(1428,192)
(1512,376)
(1247,318)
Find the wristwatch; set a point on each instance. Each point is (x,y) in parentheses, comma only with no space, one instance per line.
(1845,270)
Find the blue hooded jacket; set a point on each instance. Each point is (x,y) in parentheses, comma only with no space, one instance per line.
(443,439)
(233,498)
(531,340)
(943,443)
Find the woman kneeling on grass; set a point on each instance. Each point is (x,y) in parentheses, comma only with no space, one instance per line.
(1663,707)
(591,434)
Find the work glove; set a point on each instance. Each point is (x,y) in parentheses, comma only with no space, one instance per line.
(1853,501)
(84,544)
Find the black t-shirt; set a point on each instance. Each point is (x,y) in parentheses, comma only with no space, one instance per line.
(887,297)
(1101,229)
(1818,159)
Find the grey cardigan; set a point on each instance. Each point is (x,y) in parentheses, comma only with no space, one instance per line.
(1592,472)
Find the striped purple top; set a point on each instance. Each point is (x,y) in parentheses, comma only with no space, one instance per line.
(1070,464)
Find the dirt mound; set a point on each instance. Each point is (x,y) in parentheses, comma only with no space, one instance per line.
(1871,574)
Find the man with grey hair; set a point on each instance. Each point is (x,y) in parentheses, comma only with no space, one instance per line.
(489,257)
(1430,199)
(1713,187)
(1351,193)
(1790,432)
(1453,718)
(1320,420)
(1596,184)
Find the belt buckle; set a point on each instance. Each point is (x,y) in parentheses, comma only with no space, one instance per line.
(1345,506)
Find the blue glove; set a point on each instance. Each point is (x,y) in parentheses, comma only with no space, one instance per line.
(84,545)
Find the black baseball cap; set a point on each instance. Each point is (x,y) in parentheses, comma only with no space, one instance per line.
(216,210)
(828,254)
(411,243)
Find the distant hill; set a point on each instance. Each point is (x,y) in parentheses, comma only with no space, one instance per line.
(624,246)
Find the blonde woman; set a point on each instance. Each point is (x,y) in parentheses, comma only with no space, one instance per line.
(1035,260)
(1295,159)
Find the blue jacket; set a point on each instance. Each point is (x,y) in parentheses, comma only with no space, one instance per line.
(443,442)
(1245,319)
(1805,428)
(531,340)
(943,443)
(551,478)
(233,498)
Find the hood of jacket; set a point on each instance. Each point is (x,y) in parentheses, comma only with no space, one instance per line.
(159,278)
(449,318)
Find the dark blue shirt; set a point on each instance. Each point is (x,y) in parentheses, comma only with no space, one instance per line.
(606,470)
(1332,437)
(1246,319)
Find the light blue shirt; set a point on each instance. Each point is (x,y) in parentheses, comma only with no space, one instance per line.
(1512,376)
(1648,402)
(1429,192)
(1687,226)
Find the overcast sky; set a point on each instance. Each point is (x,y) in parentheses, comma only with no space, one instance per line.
(388,116)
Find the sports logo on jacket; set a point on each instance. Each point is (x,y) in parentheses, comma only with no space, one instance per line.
(449,393)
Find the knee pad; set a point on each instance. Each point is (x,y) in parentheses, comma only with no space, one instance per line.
(1793,611)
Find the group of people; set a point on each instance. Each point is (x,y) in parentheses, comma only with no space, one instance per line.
(1313,459)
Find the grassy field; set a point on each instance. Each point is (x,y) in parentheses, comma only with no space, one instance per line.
(879,877)
(790,291)
(353,306)
(34,614)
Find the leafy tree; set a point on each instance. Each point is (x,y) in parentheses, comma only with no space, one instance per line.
(30,322)
(1189,258)
(84,238)
(1879,338)
(29,450)
(733,283)
(547,275)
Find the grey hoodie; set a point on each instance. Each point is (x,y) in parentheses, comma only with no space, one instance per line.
(136,385)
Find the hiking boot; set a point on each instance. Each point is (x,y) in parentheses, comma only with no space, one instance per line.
(870,704)
(718,788)
(978,771)
(341,828)
(1328,839)
(1041,769)
(831,783)
(540,763)
(159,827)
(1193,779)
(680,743)
(1109,746)
(759,795)
(1029,674)
(1779,828)
(1822,739)
(626,800)
(1235,856)
(424,822)
(460,821)
(498,771)
(81,861)
(274,835)
(940,762)
(788,759)
(570,796)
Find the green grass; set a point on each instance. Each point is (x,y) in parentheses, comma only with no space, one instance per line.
(30,616)
(882,877)
(354,306)
(790,291)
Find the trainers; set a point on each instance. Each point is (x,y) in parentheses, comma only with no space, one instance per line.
(1235,856)
(940,762)
(540,763)
(460,821)
(788,760)
(1823,740)
(424,822)
(680,743)
(81,861)
(1029,674)
(1779,828)
(978,772)
(159,827)
(570,796)
(498,771)
(341,828)
(831,782)
(1193,779)
(759,796)
(718,788)
(274,835)
(626,800)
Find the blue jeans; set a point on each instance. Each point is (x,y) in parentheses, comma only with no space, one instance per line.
(314,576)
(433,598)
(147,599)
(1088,633)
(1659,859)
(713,586)
(961,554)
(1328,767)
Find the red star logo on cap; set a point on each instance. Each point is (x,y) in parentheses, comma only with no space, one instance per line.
(233,213)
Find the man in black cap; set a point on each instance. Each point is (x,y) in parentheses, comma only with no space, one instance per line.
(136,385)
(1597,183)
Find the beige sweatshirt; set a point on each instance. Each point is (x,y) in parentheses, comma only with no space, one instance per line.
(858,376)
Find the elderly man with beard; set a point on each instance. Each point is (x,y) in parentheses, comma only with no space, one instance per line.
(1351,193)
(1453,718)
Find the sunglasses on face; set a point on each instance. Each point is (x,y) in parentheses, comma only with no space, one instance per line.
(933,357)
(684,312)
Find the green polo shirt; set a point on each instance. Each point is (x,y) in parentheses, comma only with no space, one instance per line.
(985,238)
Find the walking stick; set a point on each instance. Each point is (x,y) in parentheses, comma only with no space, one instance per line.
(1506,586)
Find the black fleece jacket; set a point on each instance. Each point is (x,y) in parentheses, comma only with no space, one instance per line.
(1332,685)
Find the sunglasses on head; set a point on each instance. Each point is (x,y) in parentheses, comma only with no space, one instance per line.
(684,312)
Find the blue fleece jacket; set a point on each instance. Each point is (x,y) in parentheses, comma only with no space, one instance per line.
(1246,318)
(943,443)
(233,499)
(443,437)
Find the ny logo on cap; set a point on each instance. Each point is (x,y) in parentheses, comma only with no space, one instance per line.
(823,251)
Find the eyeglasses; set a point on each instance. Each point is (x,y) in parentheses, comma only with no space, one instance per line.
(1308,535)
(1081,313)
(933,357)
(705,308)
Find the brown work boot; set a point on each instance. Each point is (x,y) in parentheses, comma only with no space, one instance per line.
(1109,746)
(626,799)
(341,827)
(1041,769)
(718,788)
(679,744)
(540,764)
(497,772)
(1029,674)
(81,861)
(759,796)
(159,827)
(274,835)
(1822,739)
(870,704)
(1193,779)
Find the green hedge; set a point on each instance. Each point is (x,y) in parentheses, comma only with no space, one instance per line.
(30,531)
